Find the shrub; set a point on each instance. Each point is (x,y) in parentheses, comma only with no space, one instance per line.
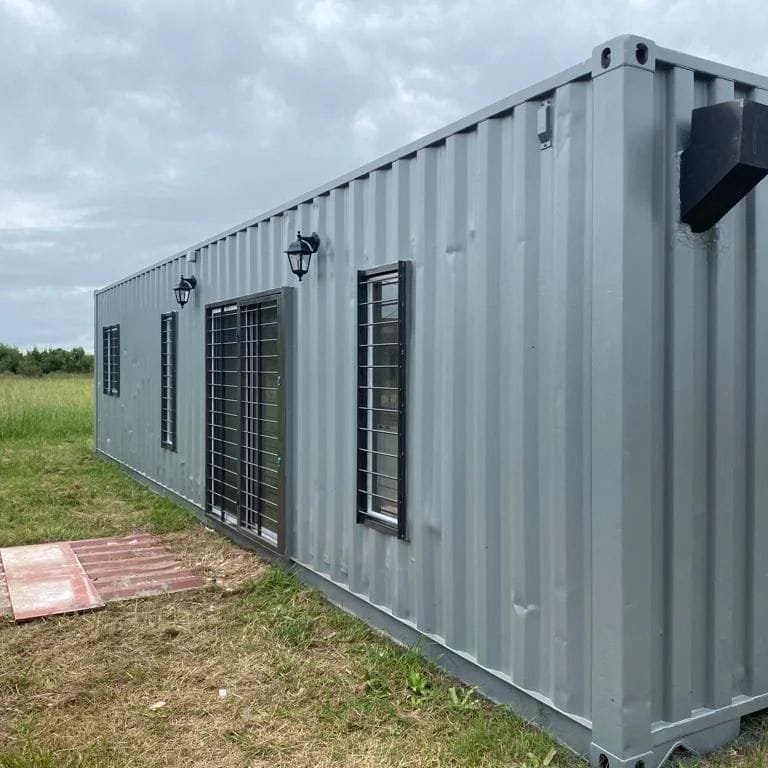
(37,362)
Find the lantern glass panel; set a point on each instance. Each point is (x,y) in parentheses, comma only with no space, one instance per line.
(295,262)
(182,292)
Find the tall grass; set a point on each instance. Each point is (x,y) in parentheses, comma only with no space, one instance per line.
(52,487)
(49,407)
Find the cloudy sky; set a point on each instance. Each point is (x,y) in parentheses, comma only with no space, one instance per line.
(133,129)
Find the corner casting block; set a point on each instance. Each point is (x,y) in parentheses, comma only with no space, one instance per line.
(624,51)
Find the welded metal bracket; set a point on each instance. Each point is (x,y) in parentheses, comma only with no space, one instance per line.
(544,124)
(727,156)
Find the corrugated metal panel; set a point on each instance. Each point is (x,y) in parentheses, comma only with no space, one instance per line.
(47,580)
(584,398)
(710,495)
(128,567)
(498,233)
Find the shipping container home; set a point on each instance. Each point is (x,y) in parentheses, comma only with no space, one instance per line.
(514,410)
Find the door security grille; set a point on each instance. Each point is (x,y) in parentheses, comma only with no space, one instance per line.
(245,421)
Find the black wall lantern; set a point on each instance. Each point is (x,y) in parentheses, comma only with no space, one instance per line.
(300,253)
(182,290)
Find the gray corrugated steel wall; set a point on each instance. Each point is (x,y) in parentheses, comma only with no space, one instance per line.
(499,564)
(497,318)
(710,491)
(498,233)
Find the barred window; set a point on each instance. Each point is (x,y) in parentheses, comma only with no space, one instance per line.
(381,398)
(110,356)
(168,380)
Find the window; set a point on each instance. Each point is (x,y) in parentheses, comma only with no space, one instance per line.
(168,380)
(110,355)
(381,399)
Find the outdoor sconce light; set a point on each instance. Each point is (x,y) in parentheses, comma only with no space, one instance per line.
(182,290)
(300,253)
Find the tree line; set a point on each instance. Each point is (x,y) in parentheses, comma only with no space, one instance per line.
(38,362)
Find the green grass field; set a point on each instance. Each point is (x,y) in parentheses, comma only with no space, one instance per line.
(303,683)
(51,486)
(45,408)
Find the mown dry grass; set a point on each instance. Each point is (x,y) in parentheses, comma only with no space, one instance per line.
(305,685)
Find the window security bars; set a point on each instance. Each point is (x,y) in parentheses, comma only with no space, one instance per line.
(168,355)
(110,356)
(260,448)
(381,398)
(245,432)
(223,413)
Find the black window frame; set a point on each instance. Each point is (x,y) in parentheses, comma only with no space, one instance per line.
(235,307)
(110,359)
(168,363)
(397,526)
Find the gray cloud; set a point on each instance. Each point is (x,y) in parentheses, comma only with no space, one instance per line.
(131,130)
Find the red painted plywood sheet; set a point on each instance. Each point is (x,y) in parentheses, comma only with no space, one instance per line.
(47,580)
(133,566)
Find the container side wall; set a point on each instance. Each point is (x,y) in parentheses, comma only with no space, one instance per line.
(497,560)
(128,426)
(710,538)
